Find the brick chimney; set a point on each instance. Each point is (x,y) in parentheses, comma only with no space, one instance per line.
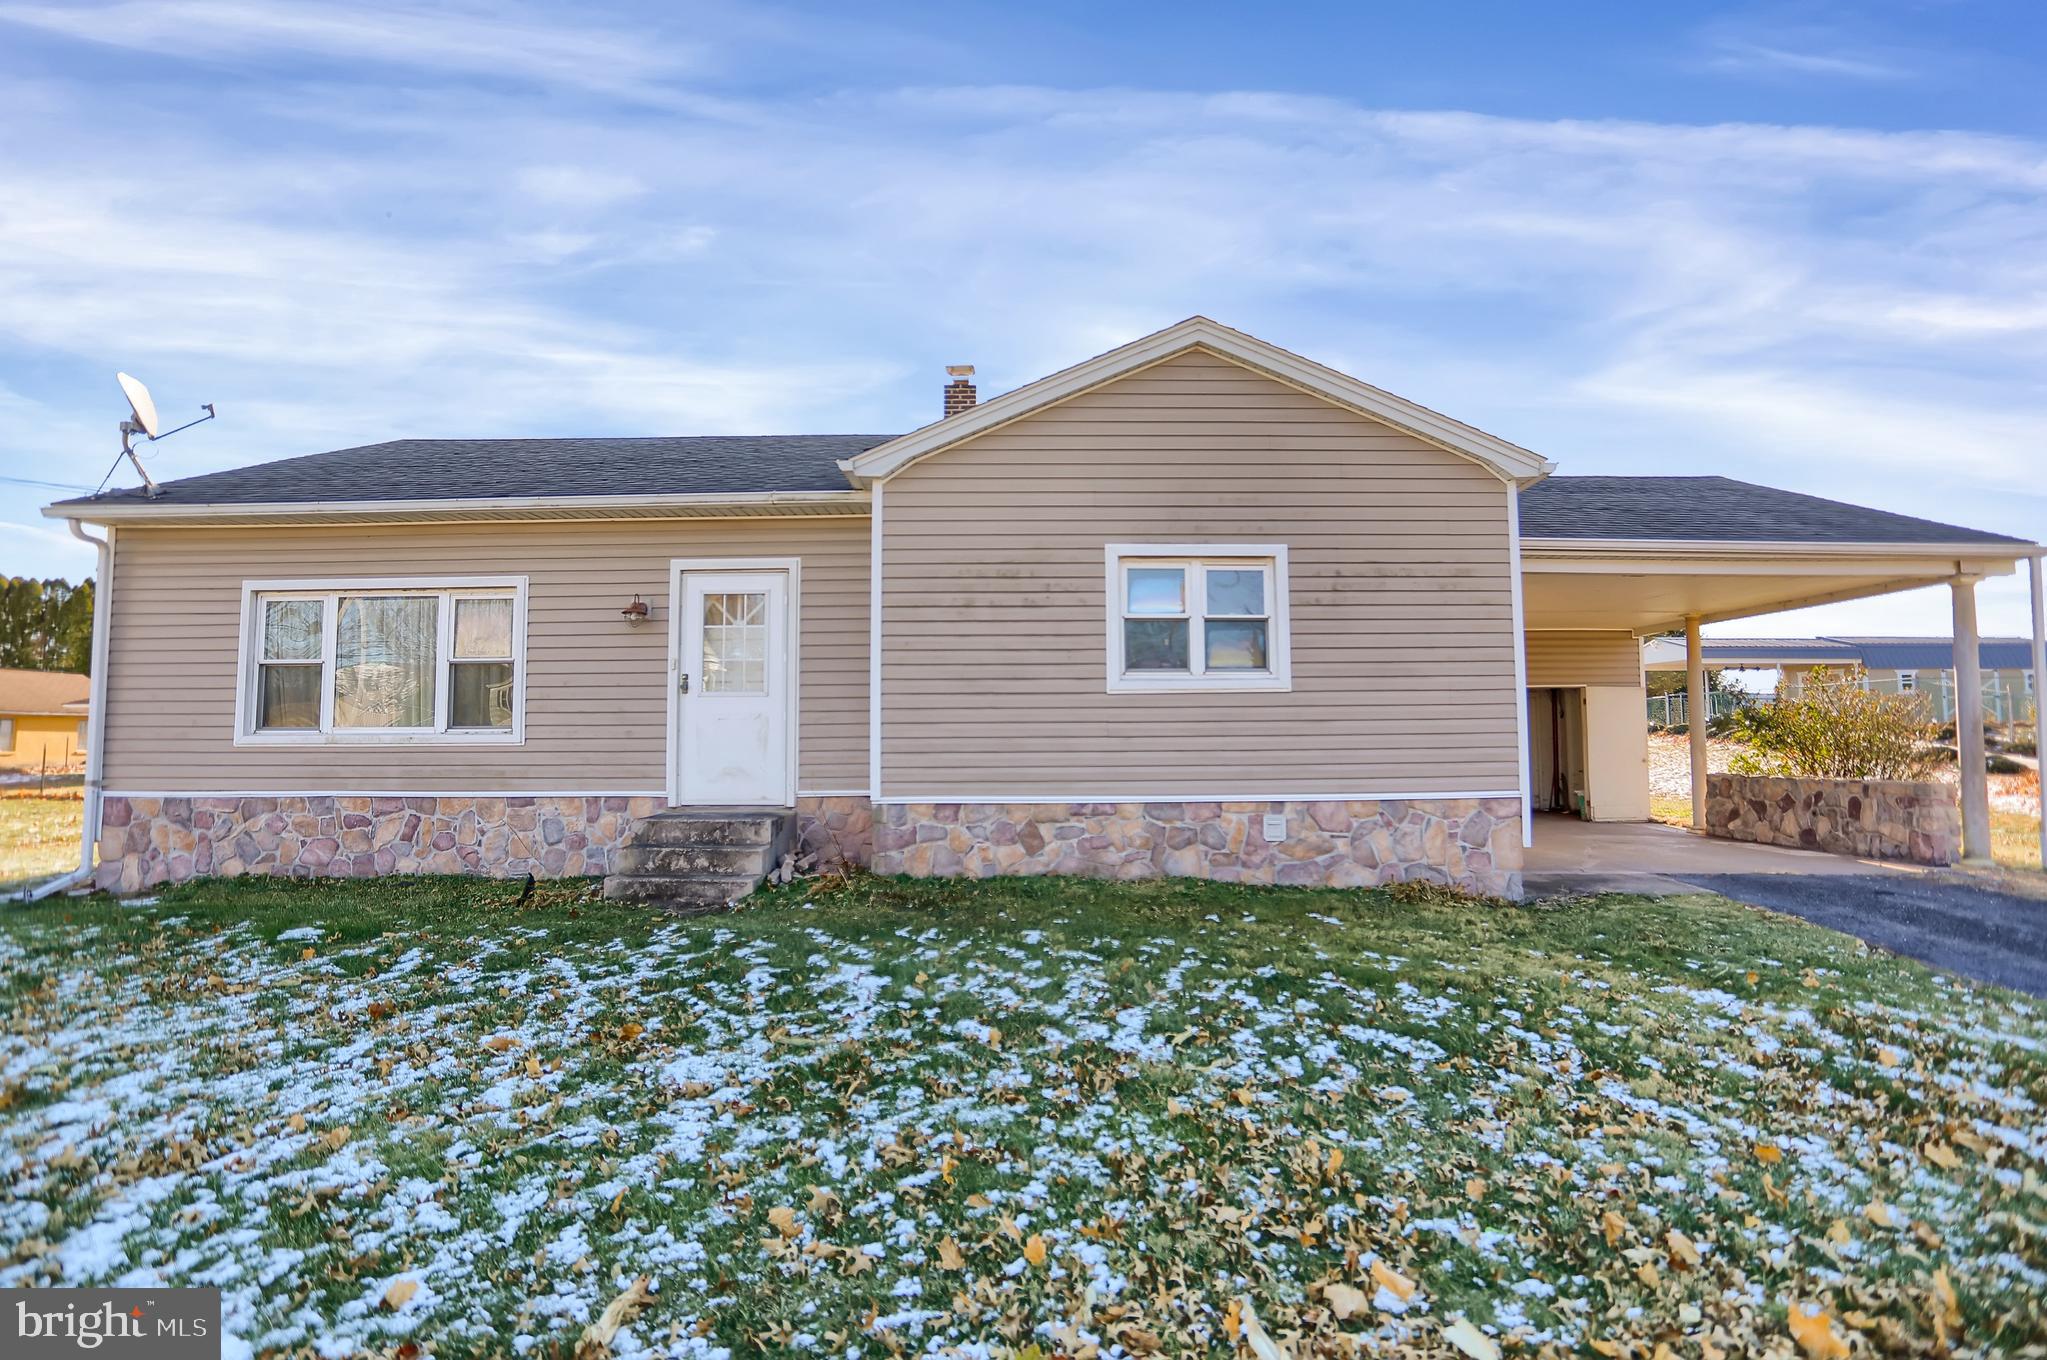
(959,393)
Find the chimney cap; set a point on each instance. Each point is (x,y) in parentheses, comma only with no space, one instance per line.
(959,370)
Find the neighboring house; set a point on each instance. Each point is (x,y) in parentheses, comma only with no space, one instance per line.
(1196,606)
(1891,665)
(42,719)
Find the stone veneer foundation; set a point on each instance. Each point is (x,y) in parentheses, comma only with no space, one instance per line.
(1468,843)
(147,841)
(1870,819)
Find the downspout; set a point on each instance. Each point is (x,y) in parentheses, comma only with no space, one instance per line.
(95,717)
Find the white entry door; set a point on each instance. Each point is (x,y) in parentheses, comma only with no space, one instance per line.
(733,689)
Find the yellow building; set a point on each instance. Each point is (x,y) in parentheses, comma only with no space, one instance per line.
(42,720)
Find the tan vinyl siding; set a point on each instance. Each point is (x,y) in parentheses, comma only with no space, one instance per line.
(994,666)
(596,688)
(1583,658)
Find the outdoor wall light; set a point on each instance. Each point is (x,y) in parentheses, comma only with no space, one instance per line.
(635,613)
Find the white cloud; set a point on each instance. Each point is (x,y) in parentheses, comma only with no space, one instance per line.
(1851,312)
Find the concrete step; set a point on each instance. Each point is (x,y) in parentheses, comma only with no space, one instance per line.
(683,896)
(711,826)
(690,860)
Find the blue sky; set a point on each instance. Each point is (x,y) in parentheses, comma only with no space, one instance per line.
(1794,243)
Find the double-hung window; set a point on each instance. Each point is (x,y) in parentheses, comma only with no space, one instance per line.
(376,661)
(1197,616)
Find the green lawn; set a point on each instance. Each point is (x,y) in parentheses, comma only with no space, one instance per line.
(1028,1117)
(38,838)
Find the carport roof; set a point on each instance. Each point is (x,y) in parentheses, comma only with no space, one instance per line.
(1717,510)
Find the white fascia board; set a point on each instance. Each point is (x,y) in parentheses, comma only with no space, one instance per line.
(1533,546)
(1508,461)
(848,502)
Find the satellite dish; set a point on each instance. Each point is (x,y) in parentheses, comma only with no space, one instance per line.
(139,402)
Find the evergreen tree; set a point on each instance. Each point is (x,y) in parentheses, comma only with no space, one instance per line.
(45,625)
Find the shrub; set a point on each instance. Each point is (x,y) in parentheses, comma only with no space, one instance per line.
(2005,765)
(1835,729)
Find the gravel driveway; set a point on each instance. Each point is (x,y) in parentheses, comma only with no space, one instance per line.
(1963,928)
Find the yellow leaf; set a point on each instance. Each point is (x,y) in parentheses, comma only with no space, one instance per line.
(1334,1164)
(1471,1340)
(1752,976)
(1944,1290)
(631,1030)
(498,1043)
(1034,1250)
(1682,1248)
(297,1123)
(1880,1214)
(1345,1301)
(782,1219)
(1809,978)
(1648,1274)
(621,1310)
(1889,1057)
(1812,1327)
(532,1066)
(401,1290)
(1475,1187)
(1942,1156)
(309,953)
(1392,1281)
(1613,1226)
(950,1257)
(1837,1231)
(1233,1319)
(1769,1153)
(1608,1348)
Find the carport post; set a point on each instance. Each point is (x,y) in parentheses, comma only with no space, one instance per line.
(1969,724)
(2039,679)
(1698,712)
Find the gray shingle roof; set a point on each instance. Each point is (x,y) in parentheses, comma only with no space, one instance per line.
(451,469)
(1873,653)
(1717,508)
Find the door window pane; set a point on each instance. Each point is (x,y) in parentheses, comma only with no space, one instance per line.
(291,630)
(1155,644)
(288,697)
(1236,590)
(483,628)
(480,694)
(1157,590)
(735,659)
(384,661)
(1236,644)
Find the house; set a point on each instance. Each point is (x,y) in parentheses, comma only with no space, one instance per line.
(43,716)
(1195,606)
(1890,665)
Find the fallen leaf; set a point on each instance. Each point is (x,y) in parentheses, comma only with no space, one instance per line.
(1880,1214)
(1648,1274)
(1254,1335)
(1812,1327)
(1391,1280)
(950,1257)
(1942,1156)
(309,953)
(1944,1290)
(782,1219)
(498,1043)
(1889,1057)
(1475,1187)
(1682,1249)
(1769,1153)
(597,1336)
(1471,1340)
(1346,1301)
(1613,1226)
(1034,1250)
(631,1030)
(399,1292)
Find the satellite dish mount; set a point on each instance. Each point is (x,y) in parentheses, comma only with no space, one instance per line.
(143,420)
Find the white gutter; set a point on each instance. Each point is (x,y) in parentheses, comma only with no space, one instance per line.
(1533,545)
(95,721)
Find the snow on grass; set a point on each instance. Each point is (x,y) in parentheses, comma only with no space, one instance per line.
(1065,1115)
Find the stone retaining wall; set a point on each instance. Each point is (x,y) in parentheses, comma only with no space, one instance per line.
(1876,819)
(836,831)
(1471,844)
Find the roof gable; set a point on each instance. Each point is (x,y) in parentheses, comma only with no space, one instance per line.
(24,691)
(1510,462)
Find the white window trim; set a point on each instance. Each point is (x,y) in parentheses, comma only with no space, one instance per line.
(1279,643)
(250,648)
(1908,682)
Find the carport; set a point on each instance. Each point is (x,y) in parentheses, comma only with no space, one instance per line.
(1607,561)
